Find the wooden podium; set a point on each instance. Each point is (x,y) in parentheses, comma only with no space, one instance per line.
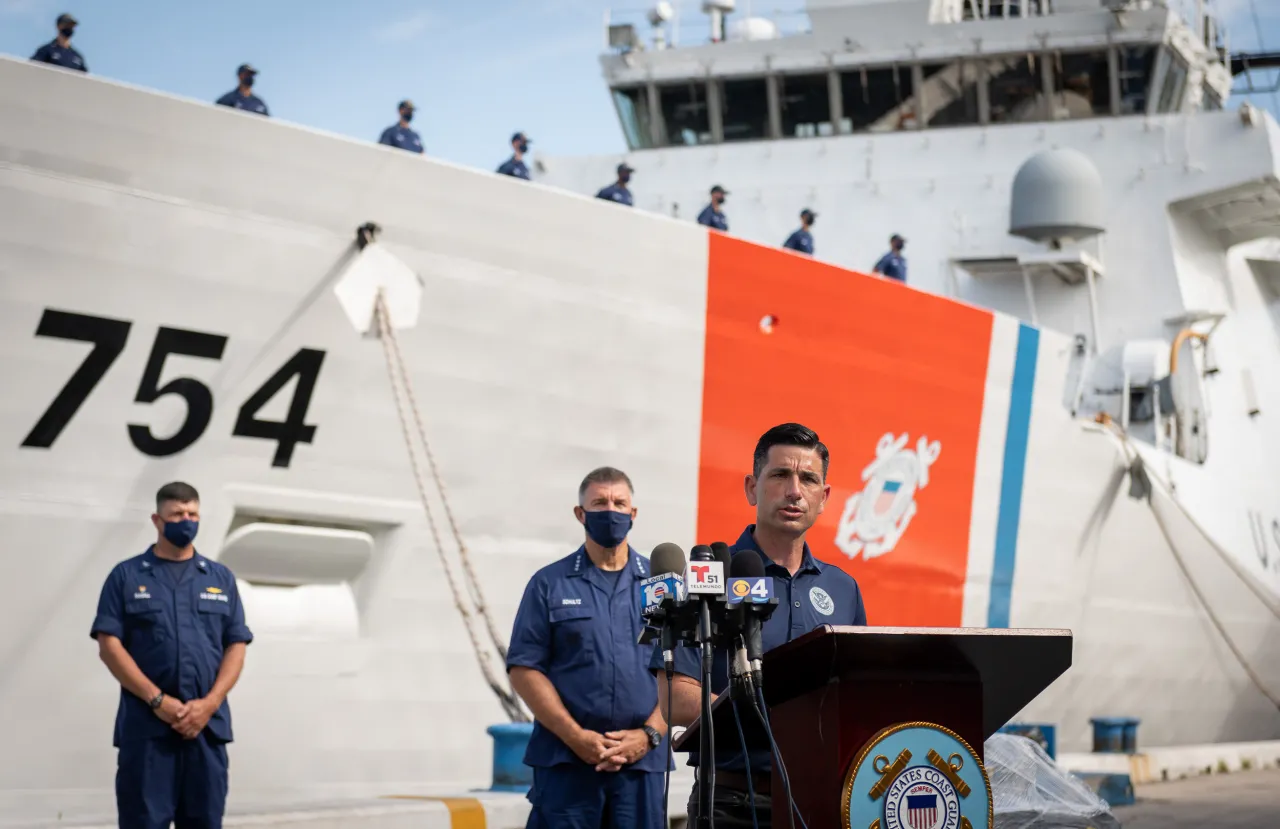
(835,688)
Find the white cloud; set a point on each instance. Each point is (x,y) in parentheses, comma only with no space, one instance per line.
(402,30)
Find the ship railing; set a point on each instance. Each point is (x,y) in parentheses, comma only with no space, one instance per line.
(640,28)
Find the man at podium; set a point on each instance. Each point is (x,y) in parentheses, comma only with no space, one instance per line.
(788,488)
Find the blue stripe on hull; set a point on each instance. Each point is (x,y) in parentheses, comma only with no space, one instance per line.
(1015,463)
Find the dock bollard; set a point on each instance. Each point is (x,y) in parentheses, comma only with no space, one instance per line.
(1115,735)
(510,740)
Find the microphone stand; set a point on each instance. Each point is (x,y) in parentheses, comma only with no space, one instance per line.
(706,754)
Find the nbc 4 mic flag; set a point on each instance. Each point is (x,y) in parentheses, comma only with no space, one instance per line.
(655,589)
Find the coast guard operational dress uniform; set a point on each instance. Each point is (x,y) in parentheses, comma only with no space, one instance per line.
(175,623)
(578,625)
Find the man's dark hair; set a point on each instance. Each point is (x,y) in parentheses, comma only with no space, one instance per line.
(789,434)
(604,475)
(176,491)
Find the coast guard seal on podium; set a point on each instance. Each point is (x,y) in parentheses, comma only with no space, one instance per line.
(917,775)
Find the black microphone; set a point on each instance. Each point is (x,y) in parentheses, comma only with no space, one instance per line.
(748,564)
(667,562)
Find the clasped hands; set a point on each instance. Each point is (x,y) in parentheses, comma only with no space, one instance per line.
(187,718)
(611,750)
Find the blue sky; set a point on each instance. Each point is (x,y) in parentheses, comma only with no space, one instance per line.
(477,69)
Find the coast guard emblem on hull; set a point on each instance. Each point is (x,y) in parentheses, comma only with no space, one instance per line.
(935,781)
(875,518)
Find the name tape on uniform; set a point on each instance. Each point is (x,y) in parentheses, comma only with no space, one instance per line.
(704,578)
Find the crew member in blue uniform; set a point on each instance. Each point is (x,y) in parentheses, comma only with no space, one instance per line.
(242,96)
(399,134)
(515,166)
(171,629)
(893,264)
(597,750)
(802,240)
(59,51)
(618,192)
(788,488)
(712,215)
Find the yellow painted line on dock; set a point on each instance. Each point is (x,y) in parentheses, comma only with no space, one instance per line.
(464,812)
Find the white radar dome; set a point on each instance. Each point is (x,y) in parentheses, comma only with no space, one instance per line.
(1057,194)
(753,28)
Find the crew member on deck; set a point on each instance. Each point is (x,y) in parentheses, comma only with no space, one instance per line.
(893,264)
(171,630)
(59,51)
(802,240)
(399,134)
(515,166)
(618,192)
(242,96)
(597,751)
(712,215)
(788,488)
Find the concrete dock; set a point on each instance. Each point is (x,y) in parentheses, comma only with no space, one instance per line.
(1243,800)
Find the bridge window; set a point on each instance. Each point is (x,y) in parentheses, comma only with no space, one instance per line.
(1175,82)
(1016,90)
(1136,65)
(950,94)
(745,104)
(633,109)
(1081,85)
(806,106)
(1211,102)
(685,115)
(877,100)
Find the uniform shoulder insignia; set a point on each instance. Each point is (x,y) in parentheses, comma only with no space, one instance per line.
(935,781)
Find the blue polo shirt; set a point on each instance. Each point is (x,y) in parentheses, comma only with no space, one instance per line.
(892,265)
(249,103)
(402,138)
(514,167)
(59,55)
(579,626)
(176,625)
(818,594)
(615,193)
(713,218)
(801,240)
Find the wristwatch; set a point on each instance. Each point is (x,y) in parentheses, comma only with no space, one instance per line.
(655,739)
(155,701)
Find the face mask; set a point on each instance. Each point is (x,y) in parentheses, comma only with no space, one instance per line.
(608,528)
(66,31)
(407,116)
(812,222)
(181,533)
(523,147)
(624,178)
(246,81)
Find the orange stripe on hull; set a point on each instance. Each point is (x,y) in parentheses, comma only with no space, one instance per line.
(856,358)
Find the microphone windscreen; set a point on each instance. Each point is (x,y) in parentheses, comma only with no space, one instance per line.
(667,558)
(747,564)
(722,553)
(701,553)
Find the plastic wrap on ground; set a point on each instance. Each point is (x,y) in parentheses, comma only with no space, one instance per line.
(1030,792)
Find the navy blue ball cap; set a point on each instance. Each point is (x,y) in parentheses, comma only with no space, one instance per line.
(519,136)
(246,67)
(67,19)
(625,168)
